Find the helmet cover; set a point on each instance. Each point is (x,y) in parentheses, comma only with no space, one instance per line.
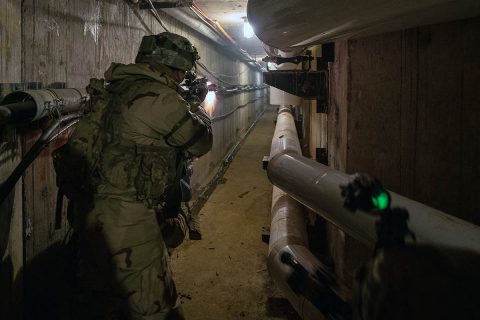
(169,49)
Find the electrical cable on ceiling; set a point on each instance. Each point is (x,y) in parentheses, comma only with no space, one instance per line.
(195,8)
(225,75)
(215,26)
(229,76)
(157,17)
(219,26)
(219,30)
(198,11)
(206,22)
(131,5)
(201,65)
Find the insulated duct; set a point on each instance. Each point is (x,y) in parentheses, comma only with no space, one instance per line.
(300,23)
(31,105)
(318,187)
(297,272)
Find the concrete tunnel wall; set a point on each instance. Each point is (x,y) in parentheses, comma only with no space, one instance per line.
(64,43)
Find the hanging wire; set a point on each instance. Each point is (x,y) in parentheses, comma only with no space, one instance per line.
(131,5)
(218,74)
(205,21)
(201,65)
(63,129)
(216,26)
(157,16)
(53,109)
(209,22)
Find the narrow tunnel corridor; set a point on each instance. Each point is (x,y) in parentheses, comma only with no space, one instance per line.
(224,275)
(365,116)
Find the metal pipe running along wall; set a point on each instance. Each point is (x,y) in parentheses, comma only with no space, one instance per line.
(30,105)
(318,187)
(184,16)
(311,298)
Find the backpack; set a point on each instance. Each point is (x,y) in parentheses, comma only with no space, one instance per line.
(76,162)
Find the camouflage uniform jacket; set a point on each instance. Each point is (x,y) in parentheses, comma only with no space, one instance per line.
(150,127)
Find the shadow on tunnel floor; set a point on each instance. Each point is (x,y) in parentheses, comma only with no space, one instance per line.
(281,307)
(6,288)
(49,283)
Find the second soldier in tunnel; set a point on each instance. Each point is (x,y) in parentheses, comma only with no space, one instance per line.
(151,131)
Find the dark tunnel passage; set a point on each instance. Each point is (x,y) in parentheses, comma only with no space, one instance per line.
(256,159)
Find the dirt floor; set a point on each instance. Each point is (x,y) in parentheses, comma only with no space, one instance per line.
(224,275)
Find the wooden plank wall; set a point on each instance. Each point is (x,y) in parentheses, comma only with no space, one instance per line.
(337,150)
(405,107)
(413,113)
(338,107)
(11,225)
(10,47)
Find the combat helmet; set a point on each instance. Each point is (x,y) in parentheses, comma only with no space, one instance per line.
(169,49)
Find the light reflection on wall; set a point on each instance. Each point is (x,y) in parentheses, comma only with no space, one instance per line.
(210,102)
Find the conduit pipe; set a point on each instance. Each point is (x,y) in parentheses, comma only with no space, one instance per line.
(288,234)
(318,187)
(31,105)
(63,105)
(215,24)
(300,23)
(184,16)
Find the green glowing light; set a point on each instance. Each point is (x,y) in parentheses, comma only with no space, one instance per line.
(381,201)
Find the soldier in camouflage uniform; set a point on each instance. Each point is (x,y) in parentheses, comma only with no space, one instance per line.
(150,131)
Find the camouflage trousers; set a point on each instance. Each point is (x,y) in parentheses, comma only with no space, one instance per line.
(124,269)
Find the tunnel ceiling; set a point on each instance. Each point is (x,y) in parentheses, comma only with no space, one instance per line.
(230,15)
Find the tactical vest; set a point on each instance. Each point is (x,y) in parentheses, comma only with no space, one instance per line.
(76,162)
(149,173)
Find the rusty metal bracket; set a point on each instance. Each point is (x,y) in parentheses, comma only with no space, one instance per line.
(306,59)
(311,85)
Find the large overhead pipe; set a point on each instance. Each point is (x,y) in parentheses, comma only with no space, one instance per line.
(318,187)
(297,272)
(300,23)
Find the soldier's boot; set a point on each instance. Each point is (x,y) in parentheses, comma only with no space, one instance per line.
(193,220)
(194,230)
(174,231)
